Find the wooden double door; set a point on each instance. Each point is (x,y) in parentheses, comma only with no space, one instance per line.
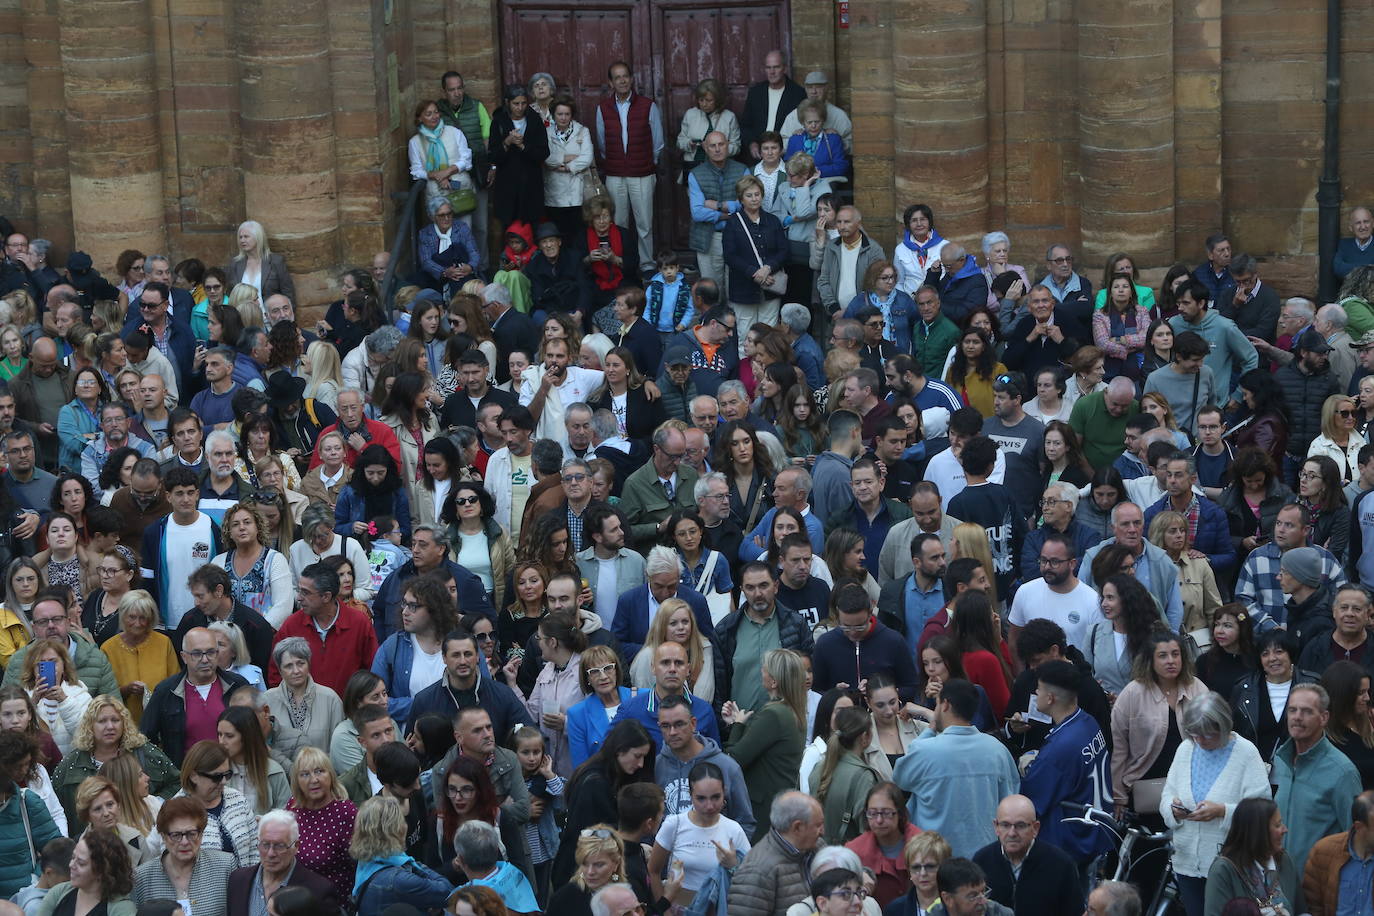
(670,45)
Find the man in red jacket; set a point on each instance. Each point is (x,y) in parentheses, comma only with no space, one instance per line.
(629,132)
(358,430)
(341,639)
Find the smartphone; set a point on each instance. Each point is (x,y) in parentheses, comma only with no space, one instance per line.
(605,246)
(1179,809)
(47,673)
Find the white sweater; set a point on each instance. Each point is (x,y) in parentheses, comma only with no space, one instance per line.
(1197,843)
(63,718)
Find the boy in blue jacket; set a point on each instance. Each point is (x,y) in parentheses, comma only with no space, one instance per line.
(669,306)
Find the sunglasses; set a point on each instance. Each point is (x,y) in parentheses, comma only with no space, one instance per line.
(216,777)
(465,500)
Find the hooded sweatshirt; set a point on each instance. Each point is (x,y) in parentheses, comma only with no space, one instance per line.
(1232,355)
(671,774)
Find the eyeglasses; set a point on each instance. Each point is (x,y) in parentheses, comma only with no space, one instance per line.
(1309,475)
(876,323)
(673,456)
(135,266)
(47,621)
(467,791)
(887,276)
(974,896)
(880,814)
(182,836)
(216,777)
(1066,259)
(1052,562)
(411,605)
(574,478)
(483,637)
(86,383)
(608,670)
(275,847)
(1346,413)
(854,628)
(1018,826)
(920,868)
(1049,501)
(201,654)
(848,893)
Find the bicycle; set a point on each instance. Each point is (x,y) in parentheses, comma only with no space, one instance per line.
(1165,900)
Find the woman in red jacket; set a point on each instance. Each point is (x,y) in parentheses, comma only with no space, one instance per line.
(987,661)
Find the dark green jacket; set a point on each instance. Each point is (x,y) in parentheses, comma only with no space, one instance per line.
(164,779)
(768,749)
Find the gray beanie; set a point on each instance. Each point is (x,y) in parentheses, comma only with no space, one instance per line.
(1303,564)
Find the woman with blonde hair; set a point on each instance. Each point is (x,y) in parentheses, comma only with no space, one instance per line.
(839,362)
(768,742)
(107,730)
(600,857)
(255,265)
(675,622)
(1157,405)
(100,805)
(385,873)
(971,540)
(1196,580)
(323,372)
(139,806)
(12,352)
(141,657)
(233,652)
(326,819)
(247,304)
(60,697)
(1340,440)
(259,575)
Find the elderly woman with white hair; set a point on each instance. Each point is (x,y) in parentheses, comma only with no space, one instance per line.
(298,700)
(996,253)
(1212,771)
(257,266)
(319,540)
(448,254)
(826,858)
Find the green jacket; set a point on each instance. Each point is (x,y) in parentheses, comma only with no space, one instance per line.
(645,503)
(164,779)
(930,343)
(844,803)
(356,784)
(1360,314)
(1225,883)
(768,749)
(1314,793)
(92,669)
(115,906)
(896,512)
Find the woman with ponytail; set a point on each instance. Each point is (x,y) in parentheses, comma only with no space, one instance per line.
(842,780)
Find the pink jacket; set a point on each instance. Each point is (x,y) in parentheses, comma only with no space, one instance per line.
(556,691)
(1140,724)
(1135,342)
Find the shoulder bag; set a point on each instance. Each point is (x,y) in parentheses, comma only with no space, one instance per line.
(777,281)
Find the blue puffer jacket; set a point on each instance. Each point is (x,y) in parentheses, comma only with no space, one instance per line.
(19,860)
(1213,531)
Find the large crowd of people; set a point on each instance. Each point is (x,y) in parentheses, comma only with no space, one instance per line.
(570,579)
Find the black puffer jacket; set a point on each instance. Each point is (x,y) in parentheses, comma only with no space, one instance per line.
(1304,395)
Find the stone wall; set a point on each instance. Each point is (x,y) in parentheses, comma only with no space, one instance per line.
(1139,125)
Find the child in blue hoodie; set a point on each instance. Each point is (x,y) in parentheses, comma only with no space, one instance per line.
(669,305)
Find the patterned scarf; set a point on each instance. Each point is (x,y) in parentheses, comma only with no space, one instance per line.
(436,157)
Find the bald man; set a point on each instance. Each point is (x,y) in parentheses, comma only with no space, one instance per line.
(40,391)
(185,707)
(1358,249)
(711,194)
(1024,873)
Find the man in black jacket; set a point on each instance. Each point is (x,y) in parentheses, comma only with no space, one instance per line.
(164,715)
(214,597)
(1024,873)
(460,408)
(1254,307)
(510,329)
(769,102)
(557,281)
(1043,641)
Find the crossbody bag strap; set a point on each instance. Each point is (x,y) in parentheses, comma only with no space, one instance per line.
(706,572)
(745,223)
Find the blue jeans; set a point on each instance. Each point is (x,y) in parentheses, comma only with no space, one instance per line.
(1192,894)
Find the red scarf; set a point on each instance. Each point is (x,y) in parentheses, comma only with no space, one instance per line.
(607,275)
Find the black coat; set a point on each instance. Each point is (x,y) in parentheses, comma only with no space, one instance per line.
(513,331)
(1253,716)
(1030,358)
(562,285)
(164,716)
(518,191)
(458,409)
(770,240)
(755,120)
(1257,318)
(642,416)
(1091,699)
(322,889)
(1048,884)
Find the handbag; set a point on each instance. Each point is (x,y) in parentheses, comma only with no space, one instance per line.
(718,603)
(463,199)
(777,282)
(592,186)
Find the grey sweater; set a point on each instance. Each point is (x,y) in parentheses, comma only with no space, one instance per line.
(1178,389)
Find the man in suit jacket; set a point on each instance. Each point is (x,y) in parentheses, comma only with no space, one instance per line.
(634,610)
(252,886)
(656,489)
(769,102)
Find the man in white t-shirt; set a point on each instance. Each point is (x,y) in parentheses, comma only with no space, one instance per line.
(1058,595)
(945,471)
(509,475)
(178,545)
(548,388)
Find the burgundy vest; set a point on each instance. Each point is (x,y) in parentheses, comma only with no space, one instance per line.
(638,160)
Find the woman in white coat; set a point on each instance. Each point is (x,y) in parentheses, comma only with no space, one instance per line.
(59,697)
(1213,770)
(439,155)
(570,156)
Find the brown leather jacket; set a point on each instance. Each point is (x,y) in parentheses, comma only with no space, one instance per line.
(1321,879)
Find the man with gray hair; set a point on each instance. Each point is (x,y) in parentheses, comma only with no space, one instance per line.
(214,405)
(254,352)
(698,451)
(1072,292)
(251,886)
(846,260)
(511,329)
(774,874)
(635,609)
(796,319)
(1318,805)
(576,477)
(612,900)
(577,425)
(962,286)
(723,533)
(791,490)
(361,364)
(1114,898)
(220,485)
(706,414)
(358,429)
(654,491)
(480,854)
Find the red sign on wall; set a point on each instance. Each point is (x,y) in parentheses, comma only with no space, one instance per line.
(842,9)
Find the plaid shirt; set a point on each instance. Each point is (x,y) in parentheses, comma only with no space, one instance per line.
(575,530)
(1258,585)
